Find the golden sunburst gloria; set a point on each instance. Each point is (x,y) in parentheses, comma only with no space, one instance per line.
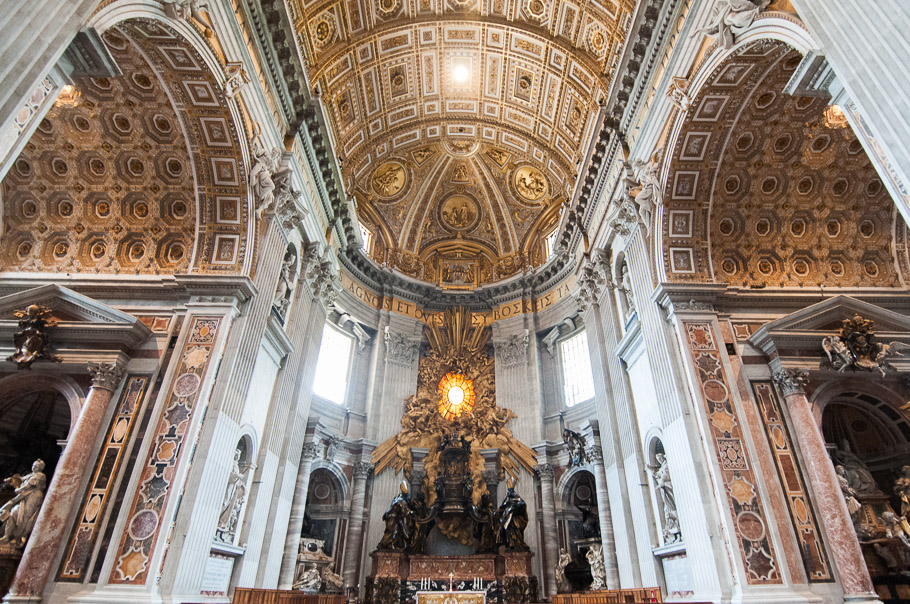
(456,395)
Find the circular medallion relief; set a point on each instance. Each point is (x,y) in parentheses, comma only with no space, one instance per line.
(389,179)
(459,212)
(530,183)
(143,525)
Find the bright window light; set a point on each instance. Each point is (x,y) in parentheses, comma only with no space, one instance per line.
(367,236)
(332,366)
(549,243)
(577,379)
(461,73)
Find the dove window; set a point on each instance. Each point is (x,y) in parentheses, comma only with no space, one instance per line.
(333,365)
(577,378)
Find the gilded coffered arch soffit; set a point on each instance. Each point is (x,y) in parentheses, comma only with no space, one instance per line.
(142,174)
(767,189)
(460,124)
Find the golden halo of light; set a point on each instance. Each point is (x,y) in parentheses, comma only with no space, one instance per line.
(456,395)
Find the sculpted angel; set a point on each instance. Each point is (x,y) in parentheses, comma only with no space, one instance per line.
(731,18)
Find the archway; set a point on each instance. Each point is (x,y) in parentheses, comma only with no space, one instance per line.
(324,513)
(768,190)
(142,173)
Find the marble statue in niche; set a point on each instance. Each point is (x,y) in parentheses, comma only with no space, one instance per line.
(18,515)
(232,504)
(286,282)
(856,472)
(595,556)
(663,485)
(263,174)
(642,180)
(849,493)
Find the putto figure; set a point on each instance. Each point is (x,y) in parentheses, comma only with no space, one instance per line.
(18,515)
(32,342)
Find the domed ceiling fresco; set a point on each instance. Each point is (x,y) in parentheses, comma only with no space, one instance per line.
(460,124)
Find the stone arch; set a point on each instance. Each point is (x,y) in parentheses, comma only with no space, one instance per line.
(750,170)
(79,199)
(42,407)
(326,506)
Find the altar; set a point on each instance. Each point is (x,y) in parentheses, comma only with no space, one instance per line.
(451,597)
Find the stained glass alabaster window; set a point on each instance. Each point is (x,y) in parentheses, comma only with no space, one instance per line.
(456,395)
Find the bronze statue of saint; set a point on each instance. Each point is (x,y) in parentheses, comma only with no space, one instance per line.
(422,524)
(513,519)
(484,525)
(399,522)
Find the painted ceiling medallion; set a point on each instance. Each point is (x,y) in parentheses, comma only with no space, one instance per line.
(456,395)
(530,183)
(459,212)
(389,179)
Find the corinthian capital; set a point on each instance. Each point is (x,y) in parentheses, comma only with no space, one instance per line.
(545,471)
(791,381)
(362,469)
(105,375)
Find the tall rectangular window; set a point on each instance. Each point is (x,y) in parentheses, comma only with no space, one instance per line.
(577,379)
(550,243)
(367,236)
(332,365)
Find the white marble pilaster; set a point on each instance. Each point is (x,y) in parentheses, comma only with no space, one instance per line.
(353,545)
(295,523)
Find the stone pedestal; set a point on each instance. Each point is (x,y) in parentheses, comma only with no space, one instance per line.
(9,561)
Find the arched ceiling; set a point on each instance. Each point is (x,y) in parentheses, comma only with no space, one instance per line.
(143,175)
(764,190)
(460,123)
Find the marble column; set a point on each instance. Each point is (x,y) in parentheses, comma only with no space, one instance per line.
(545,473)
(353,544)
(55,518)
(832,509)
(605,517)
(295,524)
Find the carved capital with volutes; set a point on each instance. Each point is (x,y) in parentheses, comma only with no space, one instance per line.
(105,376)
(791,381)
(545,471)
(362,469)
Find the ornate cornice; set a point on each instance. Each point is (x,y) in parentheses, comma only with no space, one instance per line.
(105,376)
(791,381)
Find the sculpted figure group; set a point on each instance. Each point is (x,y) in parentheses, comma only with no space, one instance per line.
(408,522)
(18,515)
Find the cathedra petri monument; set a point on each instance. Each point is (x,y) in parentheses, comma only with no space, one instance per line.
(448,534)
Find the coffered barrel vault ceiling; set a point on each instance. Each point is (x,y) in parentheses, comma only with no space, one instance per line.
(461,123)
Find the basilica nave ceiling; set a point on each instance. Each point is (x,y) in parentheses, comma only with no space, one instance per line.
(461,125)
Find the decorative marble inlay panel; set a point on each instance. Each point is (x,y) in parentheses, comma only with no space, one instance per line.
(749,521)
(785,196)
(815,560)
(125,178)
(157,480)
(86,532)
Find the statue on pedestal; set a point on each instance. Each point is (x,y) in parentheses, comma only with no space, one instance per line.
(399,523)
(595,556)
(485,525)
(18,515)
(419,511)
(663,484)
(513,519)
(902,490)
(562,584)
